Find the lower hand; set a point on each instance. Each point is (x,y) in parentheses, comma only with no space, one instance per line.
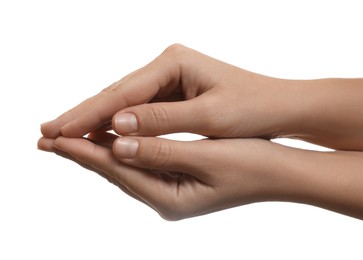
(178,179)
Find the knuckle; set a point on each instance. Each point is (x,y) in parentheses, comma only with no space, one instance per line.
(172,213)
(175,50)
(160,118)
(160,155)
(177,53)
(171,216)
(176,207)
(110,88)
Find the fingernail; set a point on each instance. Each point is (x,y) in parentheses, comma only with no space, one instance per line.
(126,123)
(126,147)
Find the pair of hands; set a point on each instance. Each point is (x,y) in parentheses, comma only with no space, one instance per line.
(184,91)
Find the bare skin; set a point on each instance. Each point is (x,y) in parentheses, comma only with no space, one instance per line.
(185,91)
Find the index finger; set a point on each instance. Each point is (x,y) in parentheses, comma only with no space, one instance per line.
(159,76)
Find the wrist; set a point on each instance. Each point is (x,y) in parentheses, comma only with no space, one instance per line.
(300,108)
(267,162)
(299,105)
(281,179)
(320,179)
(284,109)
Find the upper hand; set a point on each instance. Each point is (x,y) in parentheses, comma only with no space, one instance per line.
(216,99)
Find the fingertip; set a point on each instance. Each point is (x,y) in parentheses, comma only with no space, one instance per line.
(50,129)
(46,144)
(44,127)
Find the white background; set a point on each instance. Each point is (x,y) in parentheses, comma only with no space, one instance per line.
(54,54)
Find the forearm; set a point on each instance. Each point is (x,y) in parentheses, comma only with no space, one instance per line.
(327,112)
(331,180)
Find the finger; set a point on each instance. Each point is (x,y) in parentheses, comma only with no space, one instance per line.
(155,119)
(162,154)
(46,144)
(160,77)
(99,137)
(142,183)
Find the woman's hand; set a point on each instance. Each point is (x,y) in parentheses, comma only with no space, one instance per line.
(215,99)
(185,91)
(185,179)
(178,179)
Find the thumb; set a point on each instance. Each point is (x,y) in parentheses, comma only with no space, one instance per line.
(163,154)
(155,119)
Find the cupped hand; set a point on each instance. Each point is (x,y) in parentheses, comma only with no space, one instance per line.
(181,91)
(178,179)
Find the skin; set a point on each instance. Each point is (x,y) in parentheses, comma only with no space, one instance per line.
(239,112)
